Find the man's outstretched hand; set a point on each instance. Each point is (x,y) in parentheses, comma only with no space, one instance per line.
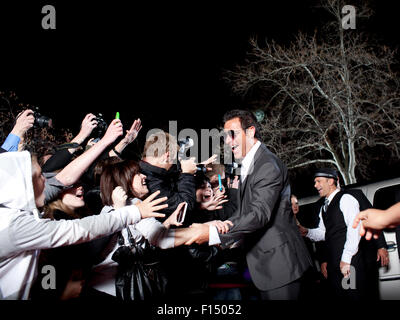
(200,233)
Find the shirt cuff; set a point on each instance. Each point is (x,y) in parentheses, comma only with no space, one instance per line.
(11,142)
(346,257)
(213,236)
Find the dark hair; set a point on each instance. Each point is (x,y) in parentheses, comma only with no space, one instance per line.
(247,119)
(118,174)
(200,180)
(100,165)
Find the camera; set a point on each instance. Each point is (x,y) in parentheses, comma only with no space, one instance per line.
(230,169)
(101,128)
(41,121)
(184,145)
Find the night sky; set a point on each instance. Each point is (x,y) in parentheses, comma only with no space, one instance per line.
(155,61)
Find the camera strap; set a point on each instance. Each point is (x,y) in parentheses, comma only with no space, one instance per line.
(73,145)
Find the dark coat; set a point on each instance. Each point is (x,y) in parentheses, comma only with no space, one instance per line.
(276,253)
(178,187)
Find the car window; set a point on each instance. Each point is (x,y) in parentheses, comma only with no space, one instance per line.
(385,198)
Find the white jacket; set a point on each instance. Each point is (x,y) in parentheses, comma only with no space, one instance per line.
(23,234)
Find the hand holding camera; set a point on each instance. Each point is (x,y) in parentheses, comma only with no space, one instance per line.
(25,121)
(114,130)
(189,166)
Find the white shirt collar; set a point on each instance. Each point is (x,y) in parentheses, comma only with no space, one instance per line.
(332,195)
(248,159)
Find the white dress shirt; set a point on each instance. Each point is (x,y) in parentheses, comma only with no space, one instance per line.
(247,162)
(350,208)
(246,169)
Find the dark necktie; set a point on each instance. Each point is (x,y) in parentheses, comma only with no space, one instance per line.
(325,207)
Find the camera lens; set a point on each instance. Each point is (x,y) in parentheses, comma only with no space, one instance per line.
(43,121)
(201,168)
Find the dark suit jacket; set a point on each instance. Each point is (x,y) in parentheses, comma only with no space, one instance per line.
(276,253)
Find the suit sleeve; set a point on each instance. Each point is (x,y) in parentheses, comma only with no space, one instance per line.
(266,190)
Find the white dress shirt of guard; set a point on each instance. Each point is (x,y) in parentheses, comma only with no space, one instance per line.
(350,208)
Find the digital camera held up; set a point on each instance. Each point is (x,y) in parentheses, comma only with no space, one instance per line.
(41,121)
(101,128)
(184,146)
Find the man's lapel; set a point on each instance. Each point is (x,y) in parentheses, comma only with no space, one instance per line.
(242,186)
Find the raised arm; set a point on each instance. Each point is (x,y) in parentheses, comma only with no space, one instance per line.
(24,122)
(130,136)
(73,171)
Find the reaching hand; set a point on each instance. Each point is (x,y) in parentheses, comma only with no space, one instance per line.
(119,197)
(114,130)
(173,218)
(24,122)
(90,143)
(189,166)
(87,126)
(133,132)
(372,223)
(222,226)
(200,233)
(149,206)
(210,160)
(215,203)
(218,192)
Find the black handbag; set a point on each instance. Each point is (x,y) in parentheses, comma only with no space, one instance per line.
(139,273)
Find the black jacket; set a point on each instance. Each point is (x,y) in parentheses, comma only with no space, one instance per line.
(178,187)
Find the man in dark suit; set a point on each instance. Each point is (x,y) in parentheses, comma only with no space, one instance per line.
(276,255)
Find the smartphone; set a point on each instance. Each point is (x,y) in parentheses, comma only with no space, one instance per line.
(182,213)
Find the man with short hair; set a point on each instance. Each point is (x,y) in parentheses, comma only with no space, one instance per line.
(159,155)
(346,255)
(276,255)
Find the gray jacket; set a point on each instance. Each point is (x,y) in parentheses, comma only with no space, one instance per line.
(276,253)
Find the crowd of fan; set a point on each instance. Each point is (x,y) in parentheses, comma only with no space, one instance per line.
(76,194)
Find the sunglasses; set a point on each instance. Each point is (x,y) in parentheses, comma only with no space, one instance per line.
(233,133)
